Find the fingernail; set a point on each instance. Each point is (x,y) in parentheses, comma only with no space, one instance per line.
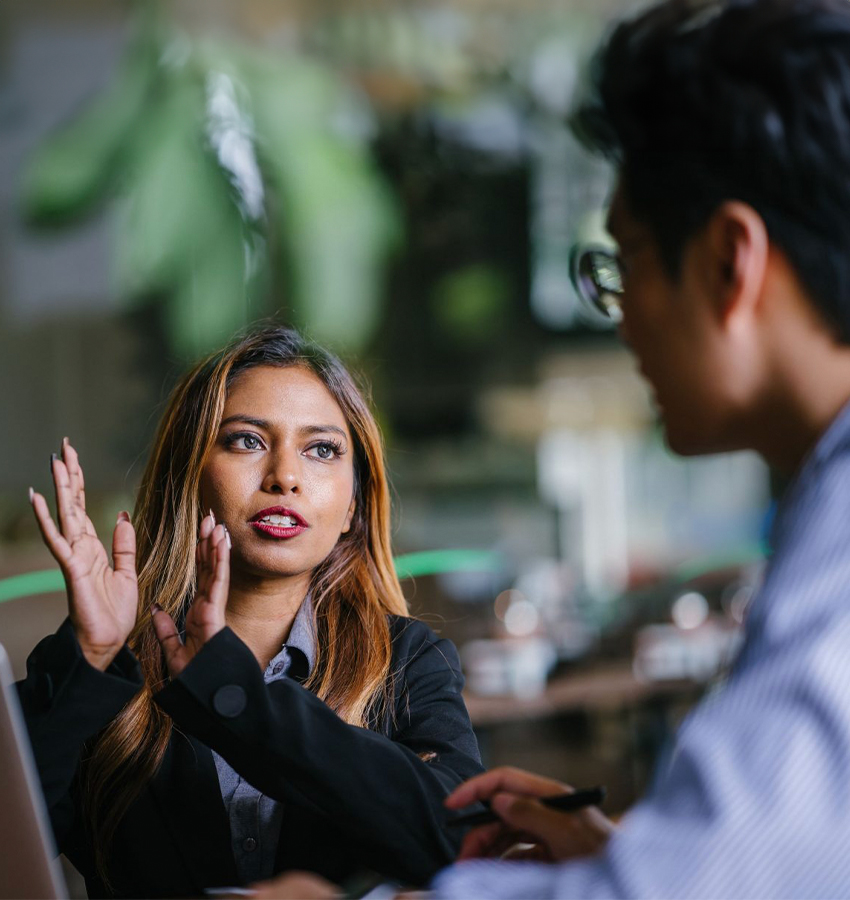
(53,458)
(32,494)
(212,516)
(64,445)
(227,536)
(123,516)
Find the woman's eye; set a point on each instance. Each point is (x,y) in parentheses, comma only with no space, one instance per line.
(244,441)
(326,450)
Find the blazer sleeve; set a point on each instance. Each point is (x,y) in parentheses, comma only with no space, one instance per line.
(291,746)
(65,702)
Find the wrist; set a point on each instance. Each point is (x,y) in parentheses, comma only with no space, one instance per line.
(99,658)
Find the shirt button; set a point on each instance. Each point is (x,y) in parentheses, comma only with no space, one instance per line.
(278,668)
(249,844)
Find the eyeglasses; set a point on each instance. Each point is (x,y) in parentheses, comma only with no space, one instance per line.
(598,279)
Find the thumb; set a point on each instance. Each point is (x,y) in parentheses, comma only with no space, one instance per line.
(124,545)
(169,639)
(220,586)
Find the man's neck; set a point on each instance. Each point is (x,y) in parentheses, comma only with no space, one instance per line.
(811,389)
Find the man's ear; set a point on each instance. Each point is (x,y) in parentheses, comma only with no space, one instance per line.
(349,516)
(736,248)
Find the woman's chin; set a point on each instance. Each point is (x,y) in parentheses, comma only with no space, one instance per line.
(264,567)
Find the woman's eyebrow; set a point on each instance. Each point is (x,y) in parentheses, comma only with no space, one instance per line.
(267,426)
(248,420)
(317,429)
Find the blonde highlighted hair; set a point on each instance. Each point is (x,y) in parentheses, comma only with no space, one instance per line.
(353,590)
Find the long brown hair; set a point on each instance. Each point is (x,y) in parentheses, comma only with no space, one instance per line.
(353,590)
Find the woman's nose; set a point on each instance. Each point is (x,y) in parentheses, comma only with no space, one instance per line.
(283,475)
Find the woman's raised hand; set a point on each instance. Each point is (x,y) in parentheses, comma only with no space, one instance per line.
(205,617)
(103,600)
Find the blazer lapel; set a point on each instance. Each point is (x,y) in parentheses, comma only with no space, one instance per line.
(187,791)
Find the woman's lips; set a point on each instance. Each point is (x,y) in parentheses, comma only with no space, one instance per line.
(279,522)
(278,531)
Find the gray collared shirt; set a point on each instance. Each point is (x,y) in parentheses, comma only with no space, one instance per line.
(255,819)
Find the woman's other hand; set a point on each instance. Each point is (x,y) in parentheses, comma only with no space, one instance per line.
(102,599)
(514,796)
(296,886)
(205,617)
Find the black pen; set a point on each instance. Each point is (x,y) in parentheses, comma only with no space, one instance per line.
(563,802)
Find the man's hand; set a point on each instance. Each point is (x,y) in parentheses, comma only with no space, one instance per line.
(513,796)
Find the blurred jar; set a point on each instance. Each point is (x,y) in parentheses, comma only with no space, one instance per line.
(518,666)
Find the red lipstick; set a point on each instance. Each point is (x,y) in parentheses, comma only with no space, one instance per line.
(279,522)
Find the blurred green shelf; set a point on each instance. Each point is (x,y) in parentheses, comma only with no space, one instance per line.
(44,582)
(410,565)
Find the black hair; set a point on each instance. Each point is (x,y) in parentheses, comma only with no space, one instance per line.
(703,102)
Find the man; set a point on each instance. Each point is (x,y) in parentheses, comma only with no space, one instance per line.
(730,126)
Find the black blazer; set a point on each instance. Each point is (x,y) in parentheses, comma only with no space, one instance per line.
(353,798)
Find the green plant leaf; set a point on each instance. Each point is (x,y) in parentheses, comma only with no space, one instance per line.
(213,294)
(178,201)
(339,219)
(471,303)
(340,224)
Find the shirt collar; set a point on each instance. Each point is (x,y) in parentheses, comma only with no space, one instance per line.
(297,656)
(831,442)
(302,635)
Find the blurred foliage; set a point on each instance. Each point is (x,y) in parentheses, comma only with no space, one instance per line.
(243,180)
(472,303)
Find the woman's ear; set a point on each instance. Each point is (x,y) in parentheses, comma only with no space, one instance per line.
(349,516)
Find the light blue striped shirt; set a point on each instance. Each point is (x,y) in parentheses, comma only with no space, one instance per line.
(754,801)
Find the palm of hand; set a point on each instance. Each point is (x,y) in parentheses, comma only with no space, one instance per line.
(203,620)
(205,617)
(103,602)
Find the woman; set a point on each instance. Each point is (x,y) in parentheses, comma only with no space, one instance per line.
(255,698)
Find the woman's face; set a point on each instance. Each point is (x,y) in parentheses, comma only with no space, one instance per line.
(281,473)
